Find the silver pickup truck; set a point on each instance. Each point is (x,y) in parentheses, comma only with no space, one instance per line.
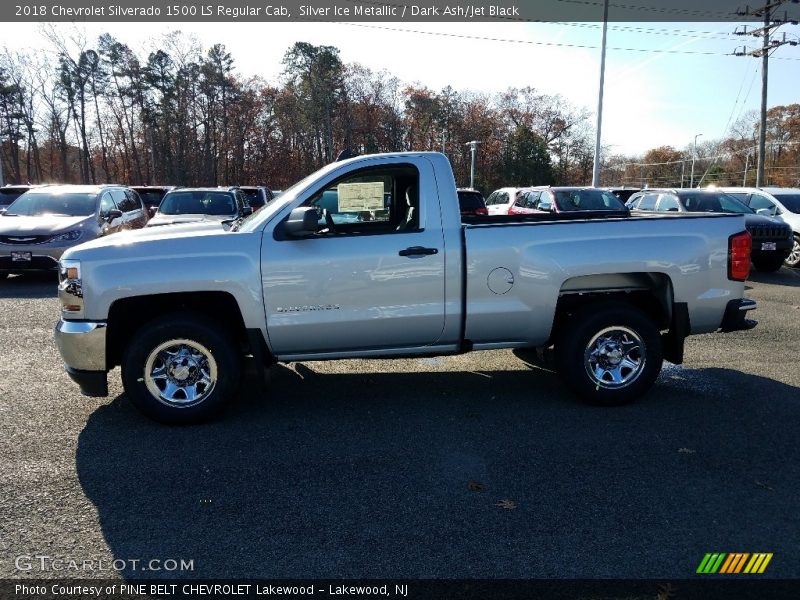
(369,257)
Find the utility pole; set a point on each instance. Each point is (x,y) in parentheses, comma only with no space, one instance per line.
(694,157)
(473,147)
(596,167)
(766,12)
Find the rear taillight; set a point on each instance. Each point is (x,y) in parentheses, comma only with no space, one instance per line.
(739,247)
(481,211)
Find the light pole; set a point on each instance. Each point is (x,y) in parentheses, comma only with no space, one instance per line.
(473,147)
(596,167)
(694,156)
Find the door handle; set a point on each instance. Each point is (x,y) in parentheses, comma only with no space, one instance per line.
(418,251)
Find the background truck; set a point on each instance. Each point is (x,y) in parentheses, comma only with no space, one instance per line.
(369,257)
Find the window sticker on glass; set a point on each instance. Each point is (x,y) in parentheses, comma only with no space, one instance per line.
(354,197)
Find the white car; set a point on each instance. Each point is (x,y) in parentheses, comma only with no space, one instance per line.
(783,203)
(500,201)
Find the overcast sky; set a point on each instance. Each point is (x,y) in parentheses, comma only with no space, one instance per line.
(665,82)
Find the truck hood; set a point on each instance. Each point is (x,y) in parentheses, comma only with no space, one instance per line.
(162,237)
(162,219)
(44,225)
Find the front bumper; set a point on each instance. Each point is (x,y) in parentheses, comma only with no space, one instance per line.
(736,313)
(43,257)
(82,345)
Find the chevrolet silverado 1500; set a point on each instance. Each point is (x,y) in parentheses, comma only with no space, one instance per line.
(369,257)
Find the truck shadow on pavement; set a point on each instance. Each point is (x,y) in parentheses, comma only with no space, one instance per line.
(30,285)
(783,276)
(452,474)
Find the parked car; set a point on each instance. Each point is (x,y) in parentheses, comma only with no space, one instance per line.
(9,193)
(151,195)
(613,297)
(772,239)
(623,193)
(186,205)
(566,199)
(257,195)
(471,202)
(500,201)
(43,222)
(781,203)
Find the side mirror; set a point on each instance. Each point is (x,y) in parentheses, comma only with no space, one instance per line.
(114,213)
(247,211)
(152,210)
(302,222)
(765,211)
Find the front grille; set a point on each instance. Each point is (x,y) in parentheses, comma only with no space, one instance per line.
(769,232)
(24,239)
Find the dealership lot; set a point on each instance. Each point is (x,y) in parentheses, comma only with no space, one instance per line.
(471,466)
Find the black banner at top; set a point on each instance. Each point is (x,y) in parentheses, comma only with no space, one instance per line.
(390,10)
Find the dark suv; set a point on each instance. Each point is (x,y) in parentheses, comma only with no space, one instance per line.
(471,202)
(772,239)
(257,195)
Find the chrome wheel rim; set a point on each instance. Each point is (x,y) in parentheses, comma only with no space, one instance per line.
(614,357)
(794,255)
(180,373)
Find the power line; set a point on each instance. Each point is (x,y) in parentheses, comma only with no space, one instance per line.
(535,43)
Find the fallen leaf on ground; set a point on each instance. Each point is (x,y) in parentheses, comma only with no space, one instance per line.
(475,486)
(506,504)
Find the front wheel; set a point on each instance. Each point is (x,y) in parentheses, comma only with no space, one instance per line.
(609,355)
(180,370)
(793,260)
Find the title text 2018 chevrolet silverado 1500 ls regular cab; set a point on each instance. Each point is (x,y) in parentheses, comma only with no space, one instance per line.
(387,269)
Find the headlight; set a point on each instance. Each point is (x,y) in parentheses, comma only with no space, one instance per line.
(69,236)
(70,287)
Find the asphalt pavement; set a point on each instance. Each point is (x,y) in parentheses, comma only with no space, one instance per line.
(472,466)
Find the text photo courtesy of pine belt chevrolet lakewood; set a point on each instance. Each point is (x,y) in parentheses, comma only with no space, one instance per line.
(369,257)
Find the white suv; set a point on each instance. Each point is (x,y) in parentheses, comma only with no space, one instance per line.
(783,203)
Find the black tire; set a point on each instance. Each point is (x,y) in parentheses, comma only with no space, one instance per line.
(793,260)
(627,328)
(767,265)
(195,384)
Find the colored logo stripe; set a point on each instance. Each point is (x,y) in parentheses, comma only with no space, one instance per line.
(758,563)
(734,562)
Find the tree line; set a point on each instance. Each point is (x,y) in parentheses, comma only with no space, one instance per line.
(99,112)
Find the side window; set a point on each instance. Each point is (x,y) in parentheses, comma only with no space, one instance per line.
(492,199)
(531,199)
(374,200)
(521,200)
(503,198)
(668,203)
(545,202)
(106,204)
(123,202)
(648,202)
(758,201)
(135,199)
(241,201)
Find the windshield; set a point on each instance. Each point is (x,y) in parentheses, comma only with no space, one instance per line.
(588,199)
(8,196)
(34,204)
(714,202)
(197,202)
(790,201)
(287,196)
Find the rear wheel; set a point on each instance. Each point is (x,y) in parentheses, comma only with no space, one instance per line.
(180,370)
(609,354)
(793,260)
(768,264)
